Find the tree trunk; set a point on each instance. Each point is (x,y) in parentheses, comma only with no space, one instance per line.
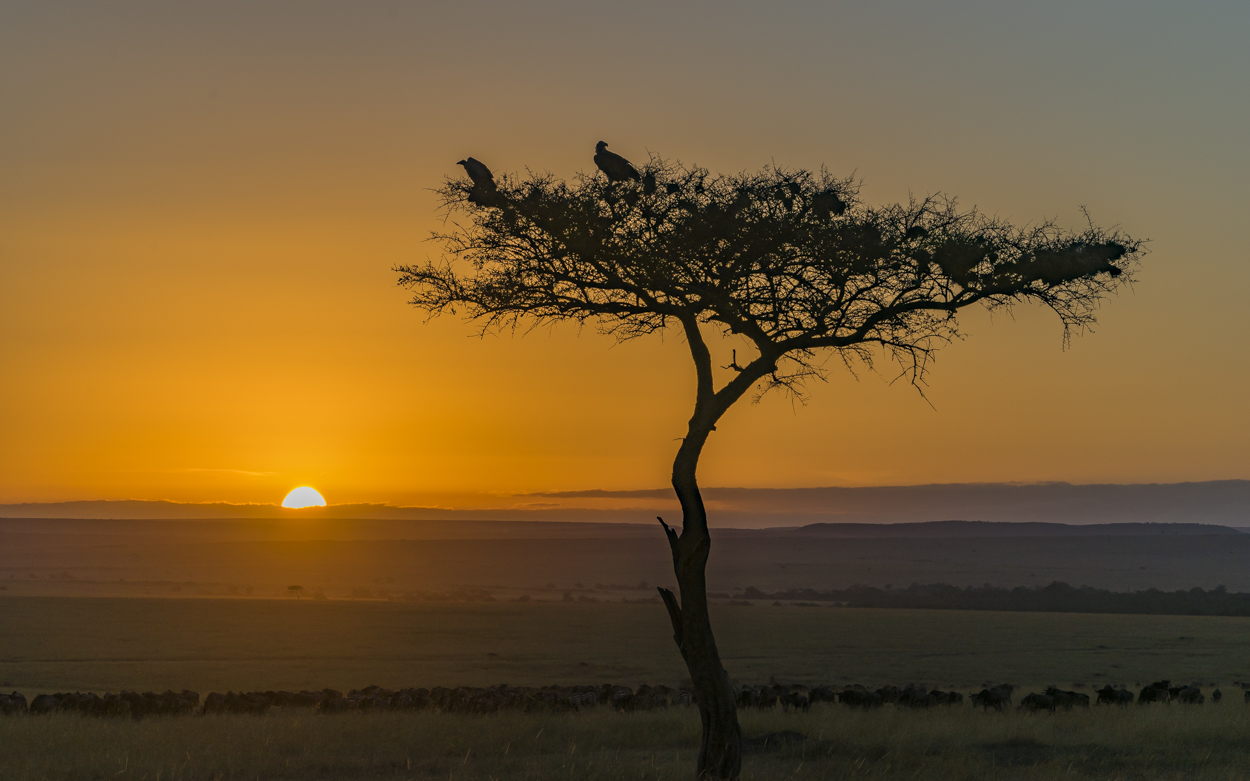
(720,755)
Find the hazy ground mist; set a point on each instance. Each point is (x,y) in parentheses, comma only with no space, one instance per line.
(380,559)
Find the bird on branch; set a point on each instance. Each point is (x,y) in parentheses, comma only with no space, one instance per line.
(617,168)
(484,188)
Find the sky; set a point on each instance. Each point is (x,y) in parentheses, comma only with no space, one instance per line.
(201,205)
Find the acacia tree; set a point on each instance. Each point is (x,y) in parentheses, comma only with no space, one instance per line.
(791,263)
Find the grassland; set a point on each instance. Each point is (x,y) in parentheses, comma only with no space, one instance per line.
(101,644)
(220,559)
(1136,743)
(210,644)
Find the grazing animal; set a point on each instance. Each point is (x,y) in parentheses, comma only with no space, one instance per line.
(12,704)
(1068,700)
(822,694)
(334,705)
(1036,702)
(938,697)
(621,697)
(1155,692)
(862,699)
(564,699)
(617,168)
(919,697)
(798,700)
(1110,696)
(996,698)
(1190,695)
(44,703)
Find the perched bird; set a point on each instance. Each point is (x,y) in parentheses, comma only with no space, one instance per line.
(616,167)
(826,204)
(648,184)
(484,189)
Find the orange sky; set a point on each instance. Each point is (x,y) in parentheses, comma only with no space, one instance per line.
(200,208)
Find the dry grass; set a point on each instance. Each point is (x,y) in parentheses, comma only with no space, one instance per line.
(1136,743)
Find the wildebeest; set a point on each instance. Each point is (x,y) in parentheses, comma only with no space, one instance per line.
(230,702)
(1155,692)
(822,694)
(996,698)
(914,697)
(12,704)
(566,699)
(1110,696)
(761,697)
(1067,700)
(1036,702)
(937,697)
(888,694)
(1217,695)
(857,698)
(44,703)
(748,698)
(1190,695)
(797,700)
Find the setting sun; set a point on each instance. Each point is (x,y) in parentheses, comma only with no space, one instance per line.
(303,497)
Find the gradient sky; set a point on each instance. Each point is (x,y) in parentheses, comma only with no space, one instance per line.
(200,206)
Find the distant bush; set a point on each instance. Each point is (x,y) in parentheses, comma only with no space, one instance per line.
(1058,597)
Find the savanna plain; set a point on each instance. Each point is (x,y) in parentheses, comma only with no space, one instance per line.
(106,644)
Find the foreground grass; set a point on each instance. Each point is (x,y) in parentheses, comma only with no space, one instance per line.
(1137,743)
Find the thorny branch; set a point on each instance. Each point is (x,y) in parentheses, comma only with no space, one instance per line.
(792,261)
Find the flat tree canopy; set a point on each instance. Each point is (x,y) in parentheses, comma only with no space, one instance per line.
(793,262)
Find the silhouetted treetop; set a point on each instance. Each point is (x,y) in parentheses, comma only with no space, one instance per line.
(793,261)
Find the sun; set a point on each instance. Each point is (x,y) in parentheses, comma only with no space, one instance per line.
(303,497)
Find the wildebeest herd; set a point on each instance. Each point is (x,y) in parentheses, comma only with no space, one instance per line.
(557,699)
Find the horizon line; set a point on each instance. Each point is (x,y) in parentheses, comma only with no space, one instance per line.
(605,493)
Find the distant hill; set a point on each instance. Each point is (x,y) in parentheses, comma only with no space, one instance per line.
(1223,503)
(934,529)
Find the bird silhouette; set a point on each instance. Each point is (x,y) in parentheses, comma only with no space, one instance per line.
(484,189)
(827,204)
(617,168)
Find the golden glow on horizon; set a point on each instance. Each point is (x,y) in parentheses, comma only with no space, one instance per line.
(303,497)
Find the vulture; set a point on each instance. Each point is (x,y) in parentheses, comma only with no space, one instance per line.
(483,180)
(616,167)
(826,204)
